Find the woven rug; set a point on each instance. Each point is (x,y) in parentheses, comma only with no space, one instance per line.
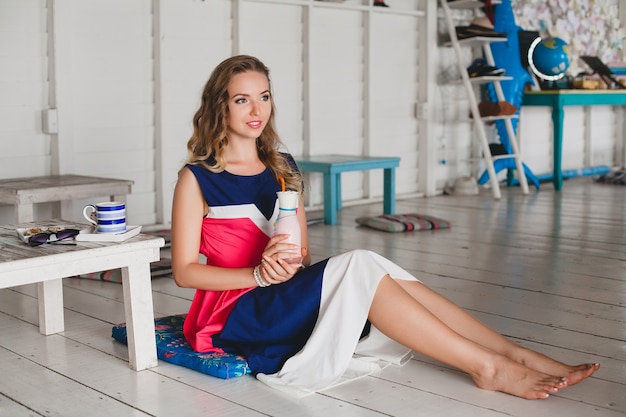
(166,234)
(613,177)
(158,269)
(403,222)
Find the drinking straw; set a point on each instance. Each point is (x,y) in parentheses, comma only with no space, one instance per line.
(282,182)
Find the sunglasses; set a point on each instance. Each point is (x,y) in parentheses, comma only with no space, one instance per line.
(50,237)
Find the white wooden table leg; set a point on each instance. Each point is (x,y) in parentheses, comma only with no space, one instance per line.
(120,198)
(63,209)
(50,300)
(139,312)
(24,213)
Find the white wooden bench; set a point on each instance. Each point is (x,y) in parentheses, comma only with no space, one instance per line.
(24,192)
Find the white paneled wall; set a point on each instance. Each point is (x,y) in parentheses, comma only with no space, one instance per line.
(126,78)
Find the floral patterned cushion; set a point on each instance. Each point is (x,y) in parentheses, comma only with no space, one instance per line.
(173,347)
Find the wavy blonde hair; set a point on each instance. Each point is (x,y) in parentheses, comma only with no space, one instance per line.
(210,124)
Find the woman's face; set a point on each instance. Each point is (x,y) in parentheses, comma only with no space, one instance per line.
(249,105)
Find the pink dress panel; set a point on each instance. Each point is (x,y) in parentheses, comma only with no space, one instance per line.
(231,243)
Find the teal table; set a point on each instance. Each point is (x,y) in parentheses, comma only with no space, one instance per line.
(331,166)
(557,99)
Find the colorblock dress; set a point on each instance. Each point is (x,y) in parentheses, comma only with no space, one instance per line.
(301,336)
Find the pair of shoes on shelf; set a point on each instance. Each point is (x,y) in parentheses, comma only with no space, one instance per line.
(497,149)
(480,26)
(480,68)
(380,4)
(501,108)
(466,32)
(465,185)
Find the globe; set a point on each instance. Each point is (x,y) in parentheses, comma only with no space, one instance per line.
(549,58)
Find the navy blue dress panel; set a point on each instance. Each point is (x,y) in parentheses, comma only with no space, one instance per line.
(291,161)
(226,189)
(269,325)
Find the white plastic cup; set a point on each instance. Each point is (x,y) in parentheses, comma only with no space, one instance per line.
(287,221)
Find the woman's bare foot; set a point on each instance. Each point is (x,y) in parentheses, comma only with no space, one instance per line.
(580,372)
(513,378)
(547,365)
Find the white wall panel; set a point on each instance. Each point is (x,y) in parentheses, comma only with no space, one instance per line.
(603,136)
(279,34)
(17,42)
(337,83)
(573,138)
(24,149)
(536,144)
(108,139)
(337,93)
(394,91)
(193,37)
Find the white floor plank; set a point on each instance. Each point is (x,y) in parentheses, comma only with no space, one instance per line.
(88,377)
(11,408)
(50,392)
(461,396)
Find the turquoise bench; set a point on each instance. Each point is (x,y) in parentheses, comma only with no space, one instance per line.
(331,166)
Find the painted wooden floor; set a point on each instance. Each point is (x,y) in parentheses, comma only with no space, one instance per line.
(547,269)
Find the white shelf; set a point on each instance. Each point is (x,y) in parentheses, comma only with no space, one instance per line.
(476,41)
(484,79)
(494,118)
(502,156)
(340,5)
(489,79)
(469,4)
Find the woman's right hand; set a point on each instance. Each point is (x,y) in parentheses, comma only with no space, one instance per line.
(274,266)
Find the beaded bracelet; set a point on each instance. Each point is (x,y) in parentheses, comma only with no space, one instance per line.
(258,278)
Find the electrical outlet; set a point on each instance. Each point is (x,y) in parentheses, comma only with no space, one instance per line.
(421,110)
(50,121)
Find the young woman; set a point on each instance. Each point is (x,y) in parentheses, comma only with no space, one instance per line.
(299,325)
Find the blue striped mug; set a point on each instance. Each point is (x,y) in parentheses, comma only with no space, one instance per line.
(108,216)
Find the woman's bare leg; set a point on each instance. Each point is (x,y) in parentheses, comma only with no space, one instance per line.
(468,326)
(400,316)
